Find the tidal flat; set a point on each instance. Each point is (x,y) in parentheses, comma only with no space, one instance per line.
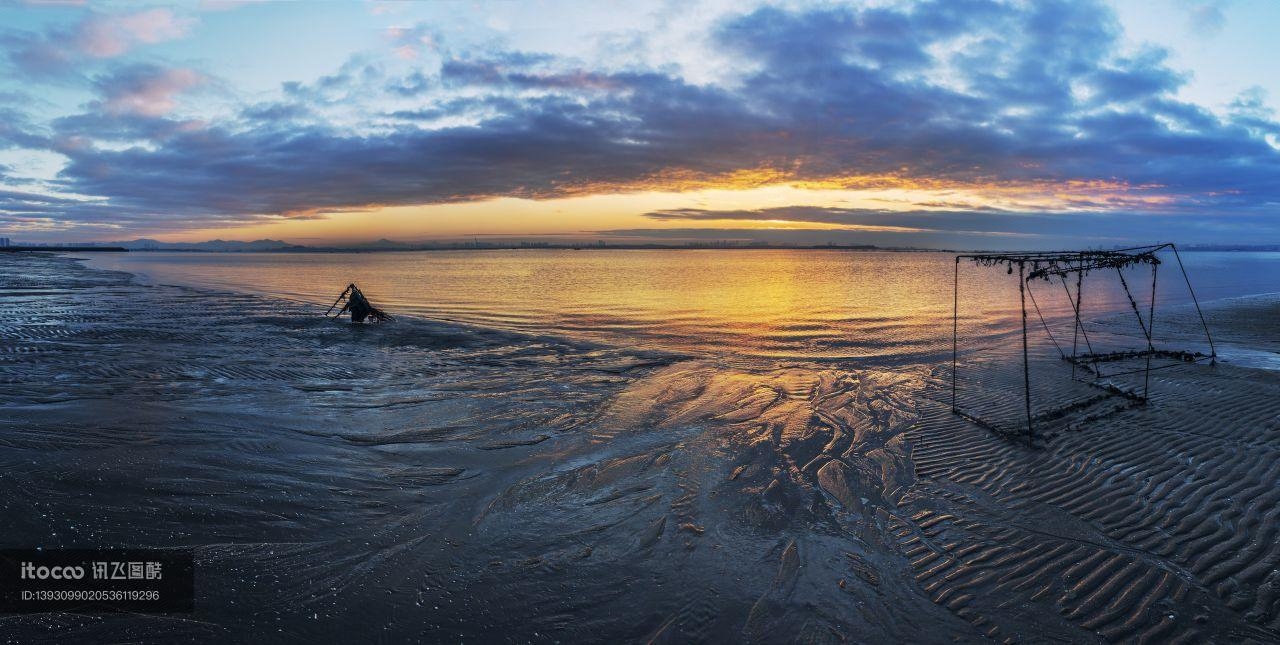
(426,480)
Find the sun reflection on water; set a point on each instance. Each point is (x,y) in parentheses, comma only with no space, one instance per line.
(778,303)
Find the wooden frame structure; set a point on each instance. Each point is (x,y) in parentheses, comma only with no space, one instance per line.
(1061,266)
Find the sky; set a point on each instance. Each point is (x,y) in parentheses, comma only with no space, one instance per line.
(943,123)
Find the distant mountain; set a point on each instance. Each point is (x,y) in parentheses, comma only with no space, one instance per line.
(382,245)
(223,246)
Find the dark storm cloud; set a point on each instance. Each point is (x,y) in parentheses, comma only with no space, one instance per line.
(1038,94)
(532,147)
(959,90)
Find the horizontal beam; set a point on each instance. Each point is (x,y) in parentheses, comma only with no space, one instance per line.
(1042,255)
(1185,356)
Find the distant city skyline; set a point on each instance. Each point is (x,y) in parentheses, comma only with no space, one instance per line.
(956,124)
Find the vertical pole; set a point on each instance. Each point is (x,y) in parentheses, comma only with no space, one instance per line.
(1151,327)
(1075,331)
(1213,353)
(955,329)
(1133,304)
(1077,302)
(1097,373)
(1026,363)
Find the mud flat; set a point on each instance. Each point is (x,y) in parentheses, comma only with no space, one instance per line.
(491,486)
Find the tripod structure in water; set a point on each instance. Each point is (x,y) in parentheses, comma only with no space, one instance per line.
(353,300)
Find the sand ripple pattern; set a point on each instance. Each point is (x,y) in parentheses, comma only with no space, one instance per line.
(1148,524)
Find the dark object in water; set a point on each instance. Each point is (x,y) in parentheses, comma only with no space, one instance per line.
(358,305)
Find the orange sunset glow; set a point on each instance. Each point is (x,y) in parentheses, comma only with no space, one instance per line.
(591,209)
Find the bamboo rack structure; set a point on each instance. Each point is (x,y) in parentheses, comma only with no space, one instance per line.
(1072,266)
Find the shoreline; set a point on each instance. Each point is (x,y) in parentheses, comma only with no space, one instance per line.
(439,479)
(1265,355)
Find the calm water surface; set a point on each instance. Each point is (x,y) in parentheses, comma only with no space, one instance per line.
(780,303)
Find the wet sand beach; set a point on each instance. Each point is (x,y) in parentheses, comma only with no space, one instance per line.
(433,481)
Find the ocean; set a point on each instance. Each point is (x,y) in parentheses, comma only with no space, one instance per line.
(811,304)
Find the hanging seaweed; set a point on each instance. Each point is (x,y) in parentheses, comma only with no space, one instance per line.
(1047,265)
(353,300)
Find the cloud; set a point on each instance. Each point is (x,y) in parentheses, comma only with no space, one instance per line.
(145,90)
(1206,17)
(409,43)
(18,131)
(226,5)
(981,222)
(96,36)
(106,36)
(22,210)
(955,95)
